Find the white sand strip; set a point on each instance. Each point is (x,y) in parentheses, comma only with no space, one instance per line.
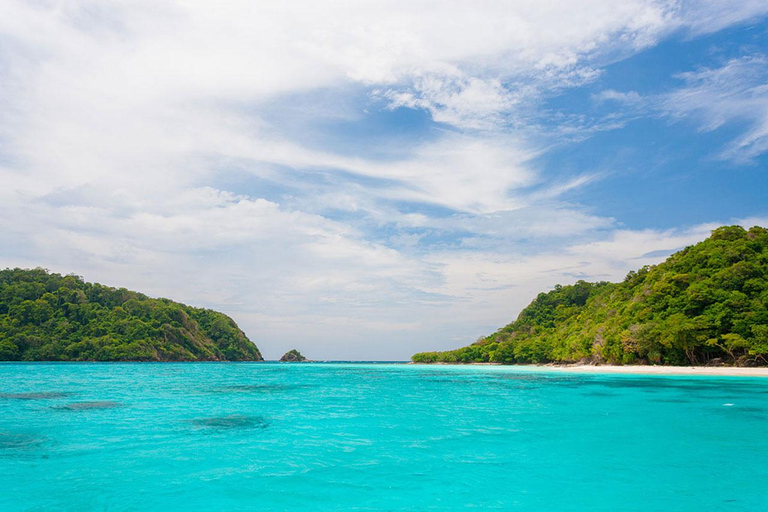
(665,370)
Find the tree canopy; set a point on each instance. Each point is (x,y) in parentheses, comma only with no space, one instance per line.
(50,317)
(706,304)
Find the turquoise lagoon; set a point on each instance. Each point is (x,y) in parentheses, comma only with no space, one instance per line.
(269,436)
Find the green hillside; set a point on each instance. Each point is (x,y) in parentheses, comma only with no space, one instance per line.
(706,304)
(50,317)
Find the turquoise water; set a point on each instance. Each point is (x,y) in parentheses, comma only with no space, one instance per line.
(376,437)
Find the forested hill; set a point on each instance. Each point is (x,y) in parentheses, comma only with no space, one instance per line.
(706,304)
(50,317)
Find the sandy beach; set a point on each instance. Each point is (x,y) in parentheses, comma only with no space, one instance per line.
(732,371)
(667,370)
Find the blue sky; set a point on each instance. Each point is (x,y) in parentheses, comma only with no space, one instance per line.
(364,180)
(665,172)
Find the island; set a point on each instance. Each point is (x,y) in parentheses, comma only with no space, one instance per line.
(705,305)
(293,356)
(50,317)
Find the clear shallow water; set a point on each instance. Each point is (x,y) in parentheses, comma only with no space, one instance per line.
(376,437)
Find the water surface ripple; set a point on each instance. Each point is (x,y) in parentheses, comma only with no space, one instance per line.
(376,437)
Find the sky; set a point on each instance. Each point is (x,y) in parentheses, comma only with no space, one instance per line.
(369,179)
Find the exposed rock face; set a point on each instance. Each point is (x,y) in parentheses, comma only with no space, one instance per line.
(293,356)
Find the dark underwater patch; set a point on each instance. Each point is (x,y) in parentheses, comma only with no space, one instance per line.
(49,395)
(89,406)
(448,380)
(673,400)
(524,377)
(661,384)
(11,441)
(16,445)
(258,388)
(231,422)
(598,393)
(752,409)
(732,408)
(746,412)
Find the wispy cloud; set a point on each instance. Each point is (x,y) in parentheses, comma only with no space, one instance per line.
(704,16)
(122,124)
(735,92)
(629,97)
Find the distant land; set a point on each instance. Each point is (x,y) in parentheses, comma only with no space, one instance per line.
(293,356)
(705,305)
(50,317)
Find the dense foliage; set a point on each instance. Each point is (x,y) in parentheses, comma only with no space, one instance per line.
(50,317)
(706,304)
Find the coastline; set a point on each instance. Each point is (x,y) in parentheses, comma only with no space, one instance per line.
(722,371)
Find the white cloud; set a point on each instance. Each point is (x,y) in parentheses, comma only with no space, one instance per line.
(467,102)
(119,121)
(629,97)
(734,93)
(707,16)
(737,91)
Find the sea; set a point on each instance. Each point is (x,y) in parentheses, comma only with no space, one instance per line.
(350,436)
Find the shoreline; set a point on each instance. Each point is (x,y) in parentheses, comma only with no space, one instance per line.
(723,371)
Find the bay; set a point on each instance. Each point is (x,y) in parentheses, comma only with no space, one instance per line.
(269,436)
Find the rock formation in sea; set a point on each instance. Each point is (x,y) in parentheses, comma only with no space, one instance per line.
(293,356)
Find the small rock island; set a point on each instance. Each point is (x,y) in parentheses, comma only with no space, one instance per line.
(293,356)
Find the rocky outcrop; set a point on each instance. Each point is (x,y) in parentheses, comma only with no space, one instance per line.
(293,356)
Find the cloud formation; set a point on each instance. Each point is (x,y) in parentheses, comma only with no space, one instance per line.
(141,145)
(734,92)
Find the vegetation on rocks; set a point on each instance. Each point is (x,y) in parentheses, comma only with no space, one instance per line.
(706,304)
(293,356)
(50,317)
